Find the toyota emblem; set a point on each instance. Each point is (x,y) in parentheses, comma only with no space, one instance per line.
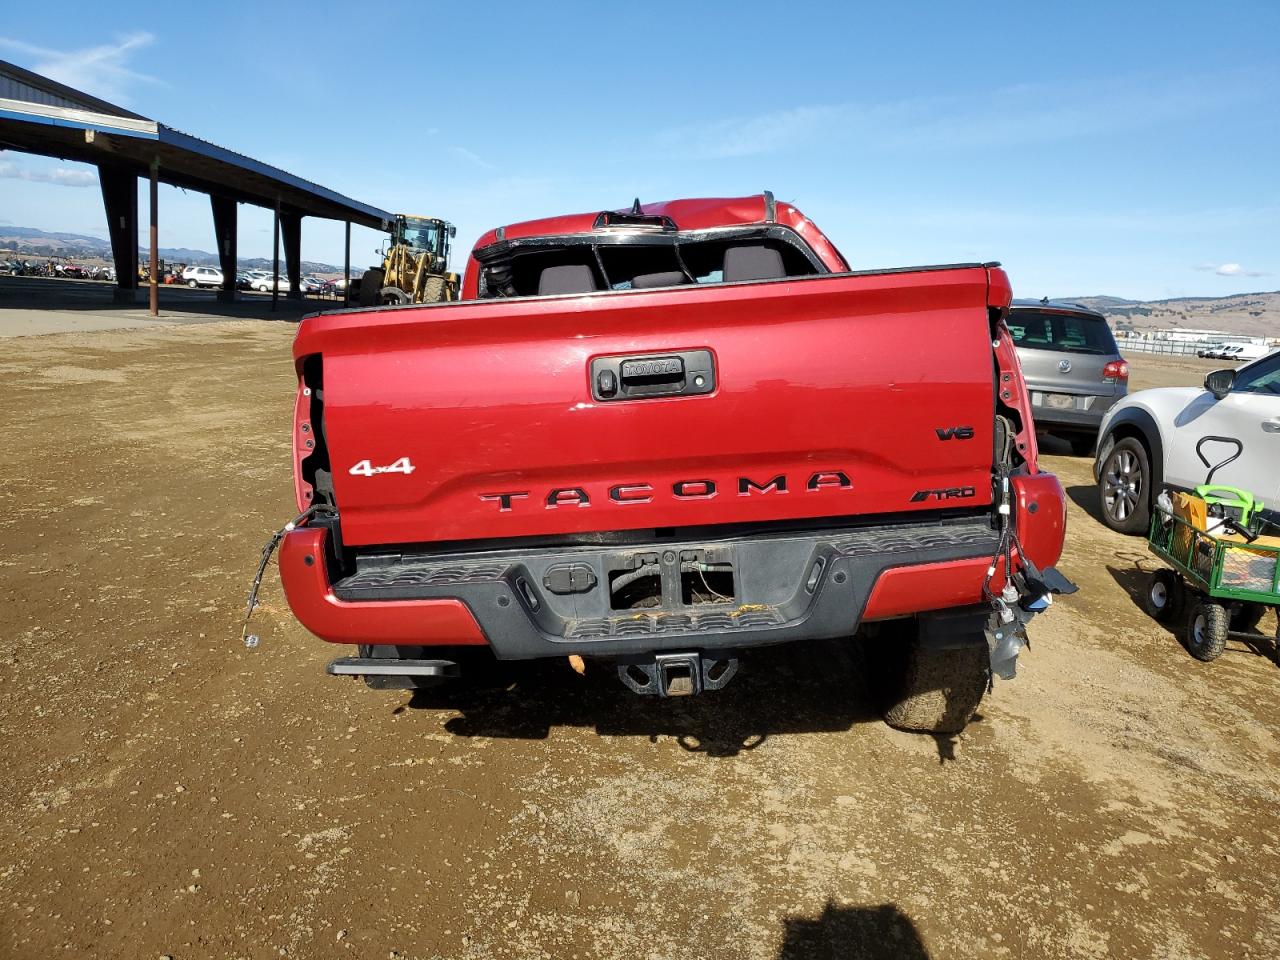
(1064,366)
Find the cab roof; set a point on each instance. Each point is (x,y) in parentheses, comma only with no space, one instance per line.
(704,213)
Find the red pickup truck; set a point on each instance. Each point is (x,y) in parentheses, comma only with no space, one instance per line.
(656,437)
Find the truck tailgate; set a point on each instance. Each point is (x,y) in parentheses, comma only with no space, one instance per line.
(833,396)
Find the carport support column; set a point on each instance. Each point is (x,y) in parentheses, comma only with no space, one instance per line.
(346,270)
(291,232)
(120,198)
(224,231)
(155,238)
(275,256)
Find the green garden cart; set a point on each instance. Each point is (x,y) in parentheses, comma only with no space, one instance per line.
(1225,571)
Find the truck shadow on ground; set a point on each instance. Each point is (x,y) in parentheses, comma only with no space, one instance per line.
(845,933)
(794,688)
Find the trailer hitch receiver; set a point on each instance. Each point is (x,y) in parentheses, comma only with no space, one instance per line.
(678,674)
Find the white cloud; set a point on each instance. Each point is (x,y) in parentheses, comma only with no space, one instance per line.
(471,157)
(64,176)
(1231,270)
(100,71)
(1023,113)
(751,136)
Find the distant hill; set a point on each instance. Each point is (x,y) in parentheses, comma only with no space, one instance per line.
(1247,314)
(1100,302)
(30,243)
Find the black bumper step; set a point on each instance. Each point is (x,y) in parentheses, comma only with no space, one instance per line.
(785,585)
(385,667)
(644,624)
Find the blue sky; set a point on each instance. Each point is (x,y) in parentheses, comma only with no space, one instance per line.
(1128,149)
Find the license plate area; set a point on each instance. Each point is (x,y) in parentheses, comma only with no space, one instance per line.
(672,579)
(1058,401)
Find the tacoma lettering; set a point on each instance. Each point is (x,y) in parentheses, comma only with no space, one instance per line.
(568,497)
(686,490)
(746,485)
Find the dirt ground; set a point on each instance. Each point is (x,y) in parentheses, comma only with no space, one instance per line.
(167,792)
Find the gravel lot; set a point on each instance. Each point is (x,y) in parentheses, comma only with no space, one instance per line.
(167,792)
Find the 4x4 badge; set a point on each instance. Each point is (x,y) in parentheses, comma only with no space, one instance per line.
(366,469)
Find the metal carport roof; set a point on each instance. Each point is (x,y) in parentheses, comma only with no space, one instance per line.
(40,115)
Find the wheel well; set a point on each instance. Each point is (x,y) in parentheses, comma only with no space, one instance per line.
(1124,431)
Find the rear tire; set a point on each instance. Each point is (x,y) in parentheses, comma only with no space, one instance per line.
(936,691)
(1124,487)
(371,287)
(1164,596)
(1207,624)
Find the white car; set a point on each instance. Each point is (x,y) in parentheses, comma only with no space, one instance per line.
(202,277)
(263,284)
(1148,441)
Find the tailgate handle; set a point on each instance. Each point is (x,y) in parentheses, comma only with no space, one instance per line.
(659,371)
(678,373)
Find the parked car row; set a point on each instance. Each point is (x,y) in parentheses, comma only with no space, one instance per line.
(55,268)
(259,280)
(1232,351)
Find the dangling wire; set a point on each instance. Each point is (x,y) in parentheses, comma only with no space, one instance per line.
(250,640)
(703,577)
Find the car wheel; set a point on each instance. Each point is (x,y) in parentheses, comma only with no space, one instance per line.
(192,284)
(1164,595)
(1124,486)
(1207,630)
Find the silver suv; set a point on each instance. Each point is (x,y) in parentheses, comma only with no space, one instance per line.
(1073,369)
(202,277)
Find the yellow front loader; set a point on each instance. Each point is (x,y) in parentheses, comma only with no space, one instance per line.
(415,266)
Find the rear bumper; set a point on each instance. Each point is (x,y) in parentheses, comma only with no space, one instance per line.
(788,586)
(1084,421)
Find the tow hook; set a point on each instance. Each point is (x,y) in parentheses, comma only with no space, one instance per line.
(1030,593)
(678,674)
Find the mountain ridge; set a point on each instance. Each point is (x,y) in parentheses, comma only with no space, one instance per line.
(1246,314)
(34,243)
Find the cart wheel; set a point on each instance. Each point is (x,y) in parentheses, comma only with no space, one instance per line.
(1164,596)
(1207,624)
(1246,617)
